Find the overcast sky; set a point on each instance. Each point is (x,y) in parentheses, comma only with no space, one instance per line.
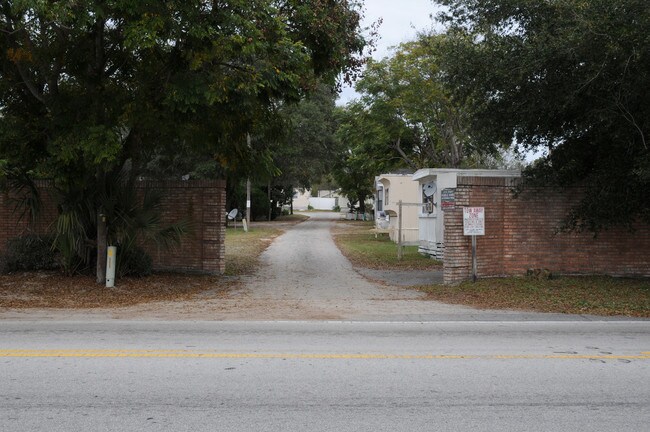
(402,19)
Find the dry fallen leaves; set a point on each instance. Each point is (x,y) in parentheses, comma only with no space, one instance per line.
(53,290)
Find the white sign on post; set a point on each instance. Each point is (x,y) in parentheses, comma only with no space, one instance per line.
(473,221)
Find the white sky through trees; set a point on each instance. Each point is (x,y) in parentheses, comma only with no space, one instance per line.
(402,19)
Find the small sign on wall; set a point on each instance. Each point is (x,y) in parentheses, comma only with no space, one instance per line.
(448,199)
(473,221)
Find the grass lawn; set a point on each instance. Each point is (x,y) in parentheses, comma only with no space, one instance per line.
(359,245)
(598,295)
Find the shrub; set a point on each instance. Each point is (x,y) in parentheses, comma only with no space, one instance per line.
(310,207)
(336,208)
(29,252)
(133,261)
(285,212)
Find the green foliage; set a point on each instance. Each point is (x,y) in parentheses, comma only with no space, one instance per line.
(92,73)
(570,78)
(133,217)
(30,252)
(87,85)
(406,114)
(261,202)
(406,117)
(133,261)
(73,230)
(303,155)
(354,169)
(26,196)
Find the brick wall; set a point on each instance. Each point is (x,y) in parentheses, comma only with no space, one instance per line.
(15,224)
(201,202)
(521,233)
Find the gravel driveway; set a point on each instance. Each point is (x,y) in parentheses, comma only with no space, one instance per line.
(303,275)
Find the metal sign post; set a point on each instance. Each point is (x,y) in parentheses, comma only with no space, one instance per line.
(474,264)
(473,225)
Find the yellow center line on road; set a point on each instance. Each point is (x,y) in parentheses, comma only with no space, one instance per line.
(296,356)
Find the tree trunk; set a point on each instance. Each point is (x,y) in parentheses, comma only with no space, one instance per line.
(101,247)
(102,228)
(268,193)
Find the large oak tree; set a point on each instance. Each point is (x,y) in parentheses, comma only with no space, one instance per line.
(570,78)
(87,85)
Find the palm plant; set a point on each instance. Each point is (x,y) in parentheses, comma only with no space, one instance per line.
(134,218)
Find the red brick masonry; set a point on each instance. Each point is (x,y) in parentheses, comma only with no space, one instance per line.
(521,233)
(202,202)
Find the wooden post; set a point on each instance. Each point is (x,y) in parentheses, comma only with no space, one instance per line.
(399,231)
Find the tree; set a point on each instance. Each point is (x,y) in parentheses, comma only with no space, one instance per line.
(409,109)
(356,163)
(406,117)
(571,78)
(304,153)
(355,179)
(88,85)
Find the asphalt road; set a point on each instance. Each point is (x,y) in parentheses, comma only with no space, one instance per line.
(325,376)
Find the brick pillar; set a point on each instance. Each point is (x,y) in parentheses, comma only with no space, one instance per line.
(457,263)
(214,230)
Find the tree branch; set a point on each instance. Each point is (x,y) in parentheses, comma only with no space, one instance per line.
(408,160)
(30,85)
(627,115)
